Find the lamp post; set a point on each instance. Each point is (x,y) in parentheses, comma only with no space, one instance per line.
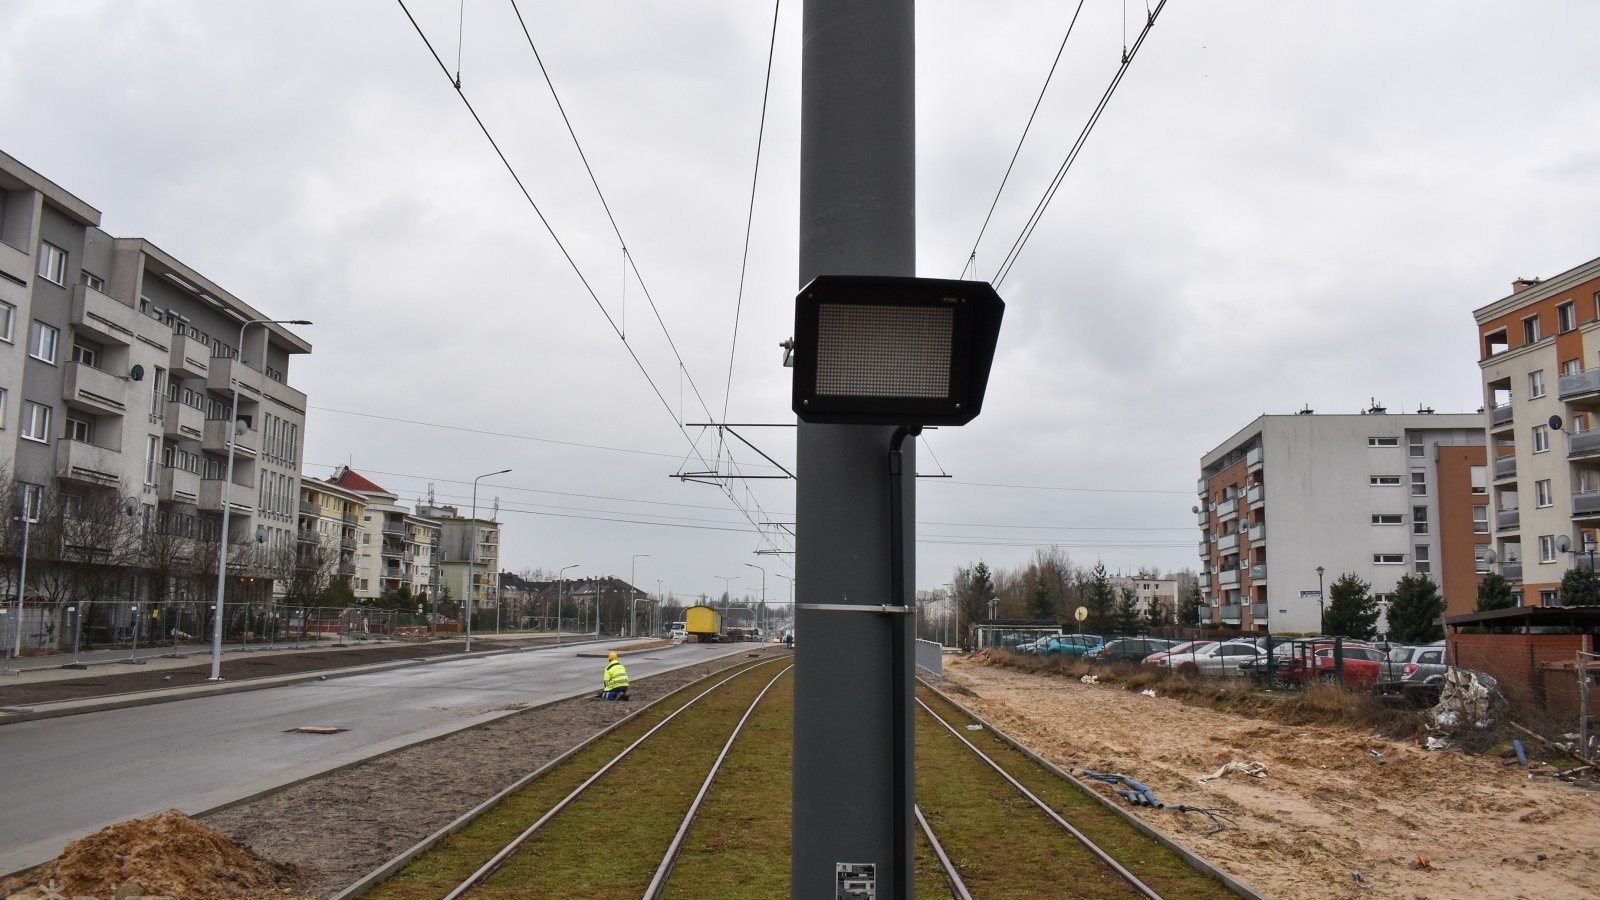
(789,579)
(763,590)
(655,606)
(727,581)
(472,553)
(1322,613)
(560,586)
(227,490)
(22,578)
(633,595)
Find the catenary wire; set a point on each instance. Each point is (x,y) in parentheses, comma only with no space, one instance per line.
(1077,147)
(973,256)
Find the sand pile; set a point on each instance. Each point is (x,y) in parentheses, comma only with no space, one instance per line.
(169,855)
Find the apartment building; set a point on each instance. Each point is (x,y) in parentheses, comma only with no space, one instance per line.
(1290,503)
(329,535)
(1542,415)
(1148,589)
(397,547)
(461,537)
(119,367)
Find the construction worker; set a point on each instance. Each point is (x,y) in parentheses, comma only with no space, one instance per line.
(616,680)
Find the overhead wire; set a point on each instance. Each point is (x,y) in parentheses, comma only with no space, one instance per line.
(972,258)
(1077,147)
(550,229)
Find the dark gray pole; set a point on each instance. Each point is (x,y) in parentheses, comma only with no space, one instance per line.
(857,217)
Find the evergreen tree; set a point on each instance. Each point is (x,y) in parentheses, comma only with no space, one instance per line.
(1125,618)
(1580,587)
(1190,606)
(1351,611)
(1494,592)
(1159,615)
(1101,601)
(1040,604)
(1414,610)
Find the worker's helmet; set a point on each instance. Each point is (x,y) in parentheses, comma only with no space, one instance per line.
(613,656)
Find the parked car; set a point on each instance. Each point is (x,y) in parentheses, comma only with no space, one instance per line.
(1315,662)
(1032,645)
(1128,650)
(1425,664)
(1069,644)
(1160,659)
(1212,658)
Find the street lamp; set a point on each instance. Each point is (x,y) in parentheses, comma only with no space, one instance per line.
(763,589)
(472,553)
(633,595)
(727,580)
(1322,614)
(655,606)
(227,491)
(28,510)
(562,575)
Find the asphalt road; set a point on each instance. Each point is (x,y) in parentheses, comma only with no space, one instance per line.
(67,777)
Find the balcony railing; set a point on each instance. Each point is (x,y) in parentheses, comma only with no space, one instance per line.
(1204,517)
(394,528)
(1228,542)
(347,543)
(1230,612)
(82,461)
(1258,573)
(1258,611)
(1205,550)
(350,518)
(1512,571)
(1257,533)
(1586,503)
(1584,443)
(1228,508)
(1500,415)
(1505,467)
(1252,460)
(1579,384)
(307,508)
(347,568)
(1256,494)
(1509,518)
(1227,577)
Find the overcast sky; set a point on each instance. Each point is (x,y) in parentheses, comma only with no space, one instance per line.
(1284,204)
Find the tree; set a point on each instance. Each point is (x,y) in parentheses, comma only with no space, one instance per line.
(1159,615)
(1190,606)
(1494,592)
(1351,612)
(1580,587)
(1125,618)
(1414,611)
(1101,601)
(1040,604)
(973,589)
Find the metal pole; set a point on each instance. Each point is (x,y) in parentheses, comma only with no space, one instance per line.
(560,588)
(763,592)
(22,577)
(857,216)
(633,594)
(472,553)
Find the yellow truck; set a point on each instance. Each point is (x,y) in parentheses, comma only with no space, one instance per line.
(703,623)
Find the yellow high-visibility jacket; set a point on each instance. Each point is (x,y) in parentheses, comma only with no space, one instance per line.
(616,676)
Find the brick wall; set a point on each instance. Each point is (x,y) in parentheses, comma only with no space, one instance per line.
(1536,667)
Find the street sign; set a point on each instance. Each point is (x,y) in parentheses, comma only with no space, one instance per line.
(1310,595)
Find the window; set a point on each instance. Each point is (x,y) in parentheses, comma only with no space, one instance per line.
(1480,479)
(35,421)
(1385,480)
(2,408)
(43,344)
(158,392)
(1541,438)
(86,353)
(1480,559)
(1418,448)
(1420,561)
(1386,518)
(1542,493)
(1536,384)
(1419,520)
(52,263)
(81,430)
(1530,330)
(1388,559)
(32,501)
(8,320)
(1547,548)
(1383,442)
(1419,484)
(1572,367)
(152,457)
(1566,317)
(93,281)
(1547,598)
(1480,520)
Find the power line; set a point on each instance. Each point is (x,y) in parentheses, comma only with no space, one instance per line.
(972,258)
(1046,487)
(1077,147)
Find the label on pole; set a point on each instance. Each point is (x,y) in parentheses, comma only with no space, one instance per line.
(856,881)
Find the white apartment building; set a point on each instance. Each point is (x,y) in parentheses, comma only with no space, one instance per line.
(1290,503)
(397,548)
(1148,589)
(461,537)
(1539,352)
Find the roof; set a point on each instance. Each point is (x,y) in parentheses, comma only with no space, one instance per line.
(349,479)
(1582,618)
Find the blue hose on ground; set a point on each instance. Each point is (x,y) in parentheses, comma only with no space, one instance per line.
(1140,795)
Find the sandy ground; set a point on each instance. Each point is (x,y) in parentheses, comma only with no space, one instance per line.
(1327,809)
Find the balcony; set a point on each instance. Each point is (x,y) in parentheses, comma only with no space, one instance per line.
(216,439)
(1581,384)
(96,390)
(307,508)
(179,485)
(1512,571)
(1200,486)
(15,262)
(1227,509)
(347,543)
(389,551)
(308,536)
(1509,519)
(189,358)
(1500,415)
(347,568)
(84,462)
(1228,543)
(1258,573)
(1230,611)
(1256,496)
(1258,611)
(350,518)
(1586,503)
(1205,580)
(1584,443)
(241,498)
(1252,460)
(1505,467)
(1257,534)
(184,422)
(106,319)
(1228,578)
(1204,517)
(1205,550)
(225,369)
(395,527)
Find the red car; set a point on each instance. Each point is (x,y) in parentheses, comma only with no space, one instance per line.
(1314,662)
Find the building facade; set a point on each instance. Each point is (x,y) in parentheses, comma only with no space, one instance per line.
(329,535)
(1542,416)
(1373,494)
(461,537)
(1148,590)
(119,369)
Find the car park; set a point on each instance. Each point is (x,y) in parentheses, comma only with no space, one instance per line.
(1159,660)
(1361,664)
(1212,658)
(1128,650)
(1069,644)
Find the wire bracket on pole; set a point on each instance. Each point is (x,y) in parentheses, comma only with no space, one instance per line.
(881,608)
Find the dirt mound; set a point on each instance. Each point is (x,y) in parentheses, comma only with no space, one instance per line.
(168,855)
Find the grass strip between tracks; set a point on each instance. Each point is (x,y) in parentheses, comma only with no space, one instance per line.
(1009,854)
(607,843)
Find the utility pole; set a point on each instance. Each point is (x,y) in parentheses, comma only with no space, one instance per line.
(852,798)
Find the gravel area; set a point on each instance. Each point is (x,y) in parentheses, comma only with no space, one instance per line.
(337,827)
